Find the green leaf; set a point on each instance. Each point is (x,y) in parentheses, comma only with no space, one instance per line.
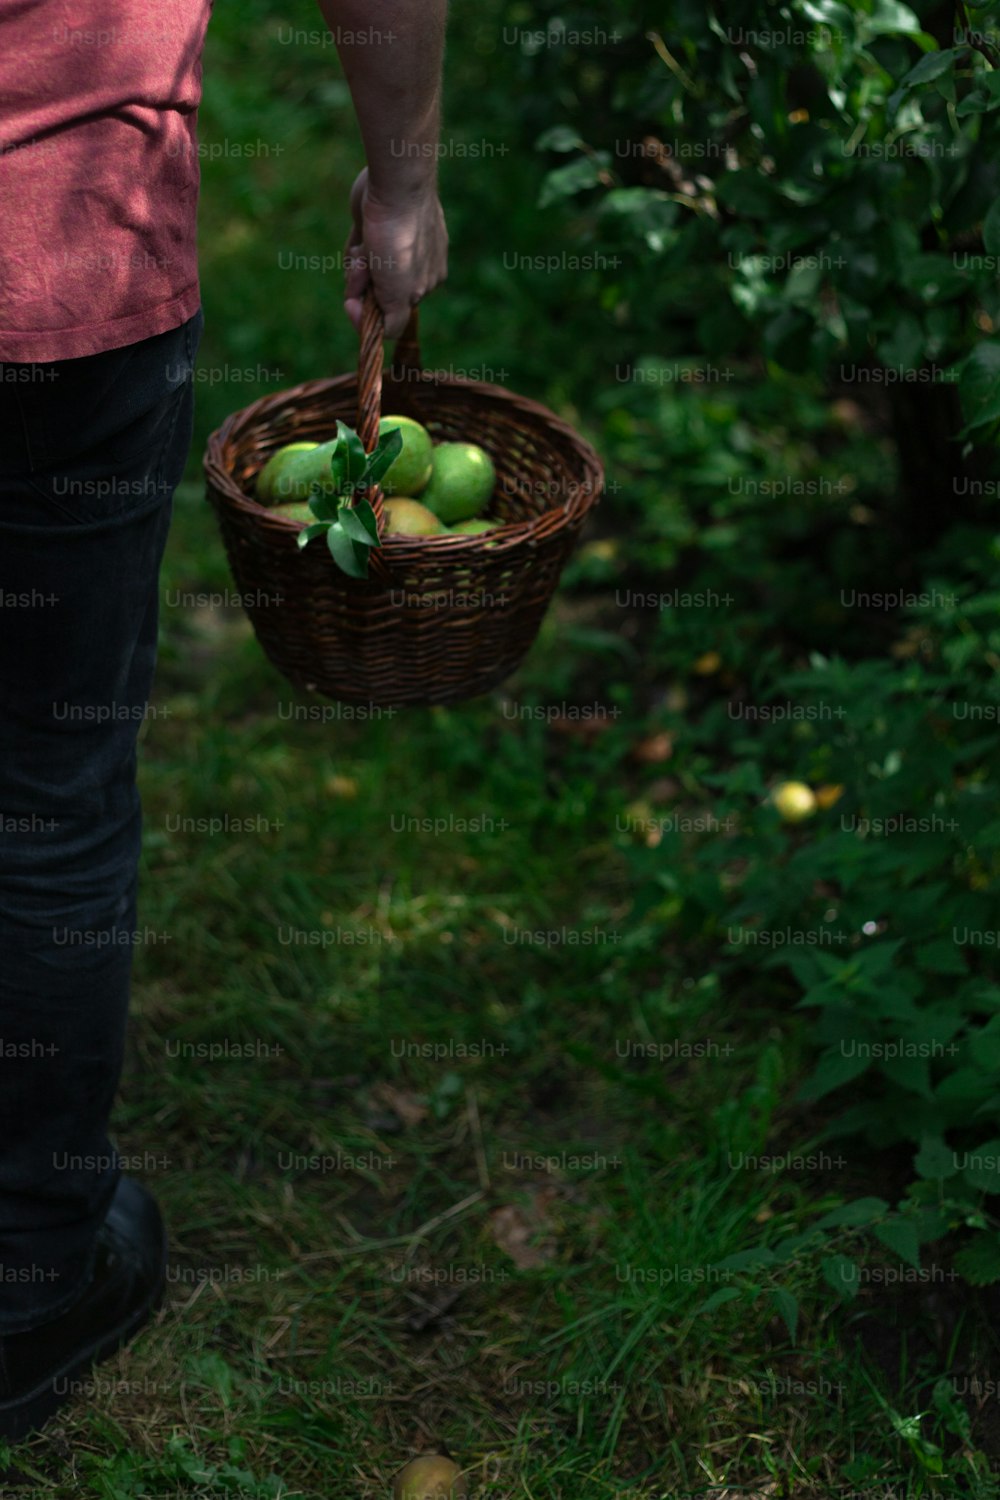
(902,348)
(913,1074)
(350,556)
(305,537)
(981,1167)
(900,1236)
(719,1298)
(324,507)
(930,66)
(834,1070)
(385,452)
(366,515)
(985,1044)
(935,1159)
(212,1371)
(933,278)
(853,1215)
(354,457)
(559,138)
(965,1086)
(746,1260)
(574,177)
(940,956)
(829,13)
(979,1260)
(888,18)
(842,1274)
(984,98)
(979,385)
(927,1454)
(975,103)
(646,212)
(788,1307)
(338,464)
(791,1245)
(802,283)
(358,521)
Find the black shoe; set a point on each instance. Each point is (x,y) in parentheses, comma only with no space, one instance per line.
(38,1368)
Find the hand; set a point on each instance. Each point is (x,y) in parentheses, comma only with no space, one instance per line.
(401,248)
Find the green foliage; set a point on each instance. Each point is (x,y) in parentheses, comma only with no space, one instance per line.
(344,517)
(817,187)
(881,909)
(816,181)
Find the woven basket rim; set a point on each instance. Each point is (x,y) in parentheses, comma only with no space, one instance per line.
(582,493)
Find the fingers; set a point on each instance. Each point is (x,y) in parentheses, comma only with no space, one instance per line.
(402,252)
(354,292)
(358,192)
(395,313)
(352,307)
(398,303)
(356,279)
(356,270)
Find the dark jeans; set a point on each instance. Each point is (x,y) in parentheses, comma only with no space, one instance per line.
(91,451)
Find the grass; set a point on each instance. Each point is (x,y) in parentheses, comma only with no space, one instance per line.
(426,1185)
(423,1185)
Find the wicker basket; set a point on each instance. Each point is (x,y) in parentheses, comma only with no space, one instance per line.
(435,621)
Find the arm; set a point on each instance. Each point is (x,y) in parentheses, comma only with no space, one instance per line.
(392,53)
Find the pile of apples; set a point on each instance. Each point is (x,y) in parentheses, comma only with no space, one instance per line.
(454,482)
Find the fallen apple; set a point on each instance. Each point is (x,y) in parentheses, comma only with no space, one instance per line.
(431,1478)
(794,800)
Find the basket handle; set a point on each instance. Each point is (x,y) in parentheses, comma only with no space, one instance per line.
(406,357)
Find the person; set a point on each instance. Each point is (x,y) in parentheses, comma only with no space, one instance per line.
(100,321)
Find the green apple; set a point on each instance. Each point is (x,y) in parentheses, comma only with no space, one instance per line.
(794,800)
(270,474)
(298,512)
(304,471)
(432,1478)
(405,517)
(411,469)
(462,482)
(478,526)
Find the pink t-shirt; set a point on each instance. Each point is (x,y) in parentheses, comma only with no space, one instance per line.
(98,172)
